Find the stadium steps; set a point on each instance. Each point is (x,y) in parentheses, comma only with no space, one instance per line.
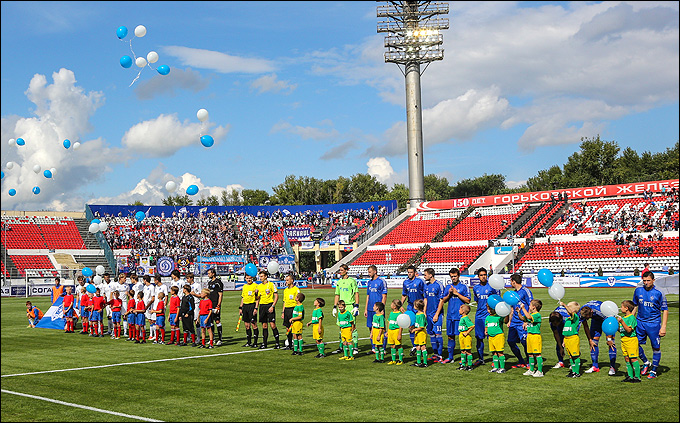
(90,241)
(92,262)
(556,213)
(416,260)
(539,220)
(521,220)
(10,267)
(66,261)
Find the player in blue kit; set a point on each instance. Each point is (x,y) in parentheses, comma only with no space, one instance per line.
(591,311)
(516,329)
(652,316)
(434,291)
(376,292)
(556,320)
(413,290)
(456,294)
(481,293)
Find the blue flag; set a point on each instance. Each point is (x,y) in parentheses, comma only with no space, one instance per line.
(54,318)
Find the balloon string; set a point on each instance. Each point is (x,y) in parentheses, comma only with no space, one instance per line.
(133,52)
(135,80)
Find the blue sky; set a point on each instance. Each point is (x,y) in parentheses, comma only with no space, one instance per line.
(302,88)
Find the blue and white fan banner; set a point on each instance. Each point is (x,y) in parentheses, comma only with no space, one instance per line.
(54,318)
(165,265)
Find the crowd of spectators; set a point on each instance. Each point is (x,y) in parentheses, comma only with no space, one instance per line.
(642,217)
(189,235)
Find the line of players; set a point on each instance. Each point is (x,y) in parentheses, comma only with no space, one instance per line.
(258,302)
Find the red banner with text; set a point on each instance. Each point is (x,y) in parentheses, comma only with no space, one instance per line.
(542,196)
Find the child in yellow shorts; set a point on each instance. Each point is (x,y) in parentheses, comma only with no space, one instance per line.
(378,331)
(317,326)
(346,324)
(296,324)
(420,331)
(629,341)
(465,327)
(572,343)
(394,334)
(534,340)
(493,328)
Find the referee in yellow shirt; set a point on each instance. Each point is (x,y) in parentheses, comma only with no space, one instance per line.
(267,297)
(247,310)
(289,303)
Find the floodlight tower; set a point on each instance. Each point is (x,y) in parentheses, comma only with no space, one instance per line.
(413,39)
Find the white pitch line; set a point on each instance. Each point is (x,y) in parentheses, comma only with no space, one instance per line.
(148,361)
(85,407)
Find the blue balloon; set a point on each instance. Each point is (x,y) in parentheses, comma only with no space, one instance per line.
(95,221)
(126,61)
(610,326)
(12,192)
(493,300)
(20,141)
(251,270)
(139,216)
(412,316)
(3,174)
(36,190)
(90,287)
(121,32)
(87,272)
(163,69)
(192,190)
(67,144)
(47,173)
(546,277)
(207,141)
(511,298)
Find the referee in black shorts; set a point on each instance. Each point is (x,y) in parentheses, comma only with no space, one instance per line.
(248,311)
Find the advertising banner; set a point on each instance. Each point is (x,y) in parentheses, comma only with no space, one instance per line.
(298,234)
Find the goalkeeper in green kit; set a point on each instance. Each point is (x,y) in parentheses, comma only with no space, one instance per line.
(347,290)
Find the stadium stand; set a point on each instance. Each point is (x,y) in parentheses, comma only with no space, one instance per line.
(23,262)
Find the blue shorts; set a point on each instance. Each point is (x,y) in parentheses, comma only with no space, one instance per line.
(369,319)
(479,328)
(83,313)
(69,313)
(173,319)
(131,318)
(434,328)
(651,330)
(452,327)
(96,316)
(517,334)
(140,319)
(160,321)
(595,328)
(204,320)
(115,316)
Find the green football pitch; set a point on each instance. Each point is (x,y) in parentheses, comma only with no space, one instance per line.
(101,379)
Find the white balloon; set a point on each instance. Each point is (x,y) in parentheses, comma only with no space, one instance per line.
(97,280)
(100,269)
(140,31)
(202,115)
(403,321)
(170,186)
(36,168)
(103,226)
(76,145)
(140,62)
(556,291)
(10,165)
(609,308)
(152,57)
(11,142)
(503,309)
(496,281)
(273,267)
(53,170)
(94,227)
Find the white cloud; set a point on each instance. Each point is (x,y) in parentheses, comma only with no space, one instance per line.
(62,111)
(177,79)
(382,169)
(515,184)
(165,135)
(217,61)
(270,83)
(305,132)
